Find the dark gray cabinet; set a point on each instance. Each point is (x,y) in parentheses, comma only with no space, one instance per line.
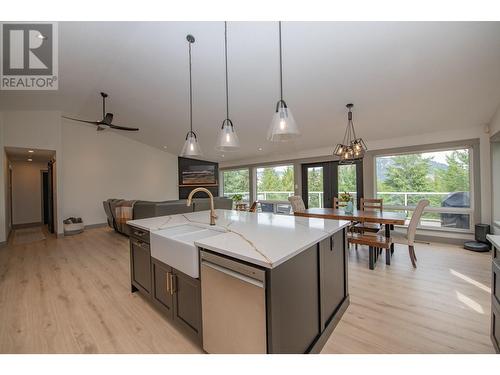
(140,265)
(306,297)
(293,303)
(495,299)
(178,296)
(187,302)
(495,281)
(162,278)
(495,324)
(332,274)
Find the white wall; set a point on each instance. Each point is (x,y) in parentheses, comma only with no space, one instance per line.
(101,165)
(3,195)
(27,192)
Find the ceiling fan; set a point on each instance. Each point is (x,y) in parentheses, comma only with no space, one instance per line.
(107,119)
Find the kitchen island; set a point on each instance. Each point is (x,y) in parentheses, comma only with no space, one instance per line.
(253,283)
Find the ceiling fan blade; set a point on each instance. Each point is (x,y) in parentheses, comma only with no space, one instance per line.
(123,128)
(85,121)
(108,119)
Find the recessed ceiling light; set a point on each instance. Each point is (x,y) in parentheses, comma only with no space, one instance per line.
(259,149)
(30,159)
(31,151)
(222,155)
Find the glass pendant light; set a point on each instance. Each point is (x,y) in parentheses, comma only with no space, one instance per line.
(228,140)
(283,126)
(191,146)
(352,148)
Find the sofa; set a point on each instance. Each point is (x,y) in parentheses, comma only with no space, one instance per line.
(145,209)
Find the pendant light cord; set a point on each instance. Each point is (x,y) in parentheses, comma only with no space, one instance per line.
(227,85)
(281,64)
(190,93)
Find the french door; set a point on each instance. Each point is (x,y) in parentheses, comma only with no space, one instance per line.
(322,181)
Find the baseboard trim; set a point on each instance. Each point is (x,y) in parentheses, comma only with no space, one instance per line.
(439,239)
(3,244)
(321,341)
(94,226)
(27,225)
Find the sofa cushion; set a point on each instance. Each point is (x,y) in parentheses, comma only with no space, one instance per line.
(145,209)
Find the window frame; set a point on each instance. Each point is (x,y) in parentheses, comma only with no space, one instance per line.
(256,182)
(221,179)
(471,211)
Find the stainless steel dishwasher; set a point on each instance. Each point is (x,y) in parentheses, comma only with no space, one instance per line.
(233,300)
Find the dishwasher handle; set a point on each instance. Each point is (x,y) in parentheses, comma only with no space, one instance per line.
(234,274)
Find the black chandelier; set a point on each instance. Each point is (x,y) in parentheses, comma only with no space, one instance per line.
(352,148)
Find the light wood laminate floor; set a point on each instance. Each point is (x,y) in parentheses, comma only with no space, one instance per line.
(72,295)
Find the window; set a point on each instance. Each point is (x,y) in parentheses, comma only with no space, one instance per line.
(236,181)
(347,180)
(315,188)
(442,177)
(274,185)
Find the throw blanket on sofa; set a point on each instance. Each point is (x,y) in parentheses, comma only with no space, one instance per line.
(124,211)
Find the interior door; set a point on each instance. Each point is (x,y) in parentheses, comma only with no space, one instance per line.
(50,196)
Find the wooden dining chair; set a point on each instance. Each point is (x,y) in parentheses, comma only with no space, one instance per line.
(408,238)
(253,207)
(338,204)
(370,204)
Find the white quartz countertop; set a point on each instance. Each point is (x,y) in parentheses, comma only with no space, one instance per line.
(494,239)
(264,239)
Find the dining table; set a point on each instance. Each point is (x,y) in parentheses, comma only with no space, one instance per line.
(387,218)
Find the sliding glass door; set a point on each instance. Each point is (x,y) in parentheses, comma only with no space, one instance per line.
(322,181)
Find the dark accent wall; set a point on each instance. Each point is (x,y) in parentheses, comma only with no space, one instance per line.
(185,163)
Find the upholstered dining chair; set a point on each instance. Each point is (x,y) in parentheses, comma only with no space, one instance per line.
(408,238)
(297,203)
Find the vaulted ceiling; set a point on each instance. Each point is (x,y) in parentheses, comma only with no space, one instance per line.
(403,78)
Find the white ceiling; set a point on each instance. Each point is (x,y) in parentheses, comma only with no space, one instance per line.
(403,78)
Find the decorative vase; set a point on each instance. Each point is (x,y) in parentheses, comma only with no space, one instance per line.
(349,207)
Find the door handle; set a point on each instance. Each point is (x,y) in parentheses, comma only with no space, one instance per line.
(139,243)
(173,284)
(331,243)
(167,283)
(139,233)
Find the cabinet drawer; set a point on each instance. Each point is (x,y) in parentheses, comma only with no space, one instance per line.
(495,281)
(495,324)
(139,234)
